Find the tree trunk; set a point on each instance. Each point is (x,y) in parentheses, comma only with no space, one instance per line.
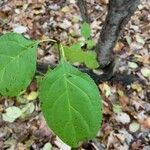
(119,13)
(83,10)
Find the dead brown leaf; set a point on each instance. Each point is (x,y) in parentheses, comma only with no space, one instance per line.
(146,123)
(119,46)
(104,2)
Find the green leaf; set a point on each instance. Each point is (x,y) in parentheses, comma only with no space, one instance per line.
(17,63)
(86,57)
(76,46)
(12,113)
(85,30)
(90,44)
(71,104)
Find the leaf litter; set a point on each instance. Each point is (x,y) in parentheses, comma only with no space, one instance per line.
(126,121)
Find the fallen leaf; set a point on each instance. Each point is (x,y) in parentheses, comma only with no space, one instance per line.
(128,137)
(136,145)
(61,144)
(20,146)
(136,86)
(123,118)
(128,39)
(123,98)
(134,126)
(140,39)
(132,65)
(105,2)
(27,109)
(72,1)
(65,9)
(119,46)
(145,59)
(66,24)
(117,108)
(146,147)
(106,90)
(12,113)
(32,96)
(47,146)
(146,123)
(20,29)
(145,72)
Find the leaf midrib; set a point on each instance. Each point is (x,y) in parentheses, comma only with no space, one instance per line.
(64,75)
(69,105)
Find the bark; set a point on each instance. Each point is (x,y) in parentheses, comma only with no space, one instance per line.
(119,13)
(83,10)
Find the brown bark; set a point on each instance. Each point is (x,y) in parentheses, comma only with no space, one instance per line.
(119,13)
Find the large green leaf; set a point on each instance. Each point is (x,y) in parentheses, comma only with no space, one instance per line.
(17,63)
(71,104)
(86,57)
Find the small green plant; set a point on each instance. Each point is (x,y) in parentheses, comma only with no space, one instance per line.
(70,100)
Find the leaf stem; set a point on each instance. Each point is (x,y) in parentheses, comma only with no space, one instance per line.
(60,46)
(62,52)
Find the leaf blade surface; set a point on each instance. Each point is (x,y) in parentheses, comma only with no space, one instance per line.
(71,105)
(17,63)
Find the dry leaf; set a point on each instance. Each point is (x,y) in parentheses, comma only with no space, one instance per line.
(106,90)
(146,123)
(122,98)
(119,46)
(105,2)
(137,87)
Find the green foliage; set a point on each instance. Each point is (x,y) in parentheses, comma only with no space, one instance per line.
(76,46)
(90,44)
(70,100)
(71,105)
(75,53)
(85,30)
(86,57)
(17,63)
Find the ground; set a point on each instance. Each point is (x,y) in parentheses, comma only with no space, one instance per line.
(126,107)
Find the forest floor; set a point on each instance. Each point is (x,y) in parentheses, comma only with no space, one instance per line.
(126,106)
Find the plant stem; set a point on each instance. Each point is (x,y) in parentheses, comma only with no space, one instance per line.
(60,47)
(62,54)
